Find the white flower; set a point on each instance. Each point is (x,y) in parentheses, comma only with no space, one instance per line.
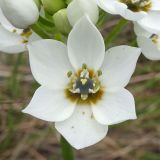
(21,13)
(148,42)
(145,12)
(14,40)
(82,87)
(78,8)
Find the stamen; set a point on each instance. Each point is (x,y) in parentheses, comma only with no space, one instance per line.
(84,96)
(84,66)
(85,83)
(26,33)
(69,74)
(138,5)
(14,31)
(99,73)
(156,39)
(24,41)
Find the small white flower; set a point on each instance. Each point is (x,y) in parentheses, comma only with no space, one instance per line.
(21,13)
(82,87)
(145,12)
(148,42)
(78,8)
(14,40)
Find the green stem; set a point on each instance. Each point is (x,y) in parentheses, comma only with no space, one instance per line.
(103,17)
(40,31)
(115,32)
(67,151)
(134,43)
(13,83)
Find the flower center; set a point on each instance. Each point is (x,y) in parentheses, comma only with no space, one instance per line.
(156,40)
(138,5)
(84,86)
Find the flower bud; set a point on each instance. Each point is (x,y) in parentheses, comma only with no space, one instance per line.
(38,3)
(52,6)
(78,8)
(68,1)
(21,13)
(61,21)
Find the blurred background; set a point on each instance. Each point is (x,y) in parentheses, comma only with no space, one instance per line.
(23,137)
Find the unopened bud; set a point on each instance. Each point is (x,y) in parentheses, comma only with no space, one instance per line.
(52,6)
(68,1)
(38,3)
(21,13)
(61,21)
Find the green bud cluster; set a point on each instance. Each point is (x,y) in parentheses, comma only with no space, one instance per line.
(61,21)
(53,6)
(56,10)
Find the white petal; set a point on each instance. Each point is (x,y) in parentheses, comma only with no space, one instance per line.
(139,31)
(115,107)
(119,65)
(21,13)
(3,19)
(78,8)
(49,63)
(81,130)
(107,5)
(86,45)
(10,42)
(34,37)
(123,10)
(155,5)
(149,49)
(7,25)
(50,105)
(151,22)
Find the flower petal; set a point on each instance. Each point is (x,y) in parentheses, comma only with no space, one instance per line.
(139,31)
(155,5)
(108,6)
(151,22)
(119,65)
(81,130)
(10,42)
(7,25)
(49,63)
(149,49)
(50,105)
(115,107)
(3,19)
(78,8)
(123,10)
(86,45)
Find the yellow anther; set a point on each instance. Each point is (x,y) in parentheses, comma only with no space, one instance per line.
(14,30)
(26,33)
(83,81)
(154,38)
(84,66)
(69,74)
(24,41)
(84,97)
(99,73)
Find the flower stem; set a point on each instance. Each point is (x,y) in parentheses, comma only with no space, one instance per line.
(40,31)
(115,32)
(67,151)
(13,82)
